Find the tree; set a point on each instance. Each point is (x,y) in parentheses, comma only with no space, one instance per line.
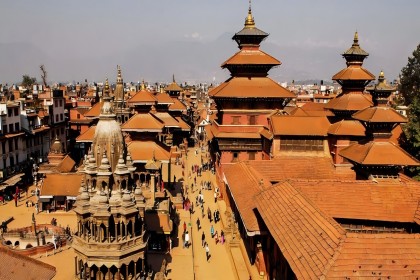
(27,81)
(410,78)
(43,75)
(410,90)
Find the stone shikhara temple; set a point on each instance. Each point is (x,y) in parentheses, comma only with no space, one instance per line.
(120,208)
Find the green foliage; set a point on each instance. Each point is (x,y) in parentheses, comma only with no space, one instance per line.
(27,81)
(410,78)
(410,89)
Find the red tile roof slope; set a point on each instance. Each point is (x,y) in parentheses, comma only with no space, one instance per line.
(354,72)
(378,153)
(308,238)
(15,266)
(244,182)
(388,200)
(298,112)
(378,256)
(254,87)
(164,98)
(348,128)
(350,102)
(88,135)
(167,119)
(298,167)
(299,125)
(143,97)
(62,184)
(379,115)
(142,151)
(95,111)
(253,56)
(143,122)
(177,105)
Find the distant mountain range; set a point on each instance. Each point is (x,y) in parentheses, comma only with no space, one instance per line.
(191,61)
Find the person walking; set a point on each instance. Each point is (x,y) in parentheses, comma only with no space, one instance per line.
(198,224)
(209,213)
(215,197)
(187,239)
(222,237)
(212,231)
(216,237)
(203,239)
(207,252)
(185,227)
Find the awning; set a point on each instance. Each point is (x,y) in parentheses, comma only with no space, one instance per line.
(11,181)
(44,199)
(71,197)
(46,196)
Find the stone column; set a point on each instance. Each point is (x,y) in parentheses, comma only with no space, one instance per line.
(75,265)
(135,269)
(116,232)
(118,276)
(133,232)
(108,235)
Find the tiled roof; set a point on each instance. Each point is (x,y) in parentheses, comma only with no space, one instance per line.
(62,184)
(158,222)
(253,56)
(184,126)
(164,98)
(308,239)
(173,87)
(244,182)
(299,125)
(378,256)
(378,153)
(347,128)
(350,102)
(143,97)
(254,87)
(246,31)
(143,122)
(177,105)
(316,247)
(15,266)
(354,72)
(296,167)
(386,200)
(95,111)
(66,165)
(166,119)
(244,135)
(142,151)
(298,112)
(88,135)
(379,115)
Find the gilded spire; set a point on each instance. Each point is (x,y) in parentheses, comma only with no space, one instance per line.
(249,21)
(143,87)
(106,88)
(381,76)
(119,78)
(173,78)
(356,39)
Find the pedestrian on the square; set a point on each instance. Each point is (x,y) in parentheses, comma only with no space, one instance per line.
(215,197)
(212,231)
(207,252)
(203,239)
(216,237)
(215,216)
(222,237)
(209,213)
(185,227)
(198,224)
(187,239)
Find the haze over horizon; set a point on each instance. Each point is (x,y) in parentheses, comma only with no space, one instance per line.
(151,40)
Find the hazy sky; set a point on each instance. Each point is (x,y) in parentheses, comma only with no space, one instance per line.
(153,39)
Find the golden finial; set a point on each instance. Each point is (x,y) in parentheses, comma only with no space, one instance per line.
(381,76)
(106,88)
(356,38)
(143,87)
(173,78)
(119,78)
(249,21)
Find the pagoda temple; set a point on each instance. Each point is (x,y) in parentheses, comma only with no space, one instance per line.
(246,99)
